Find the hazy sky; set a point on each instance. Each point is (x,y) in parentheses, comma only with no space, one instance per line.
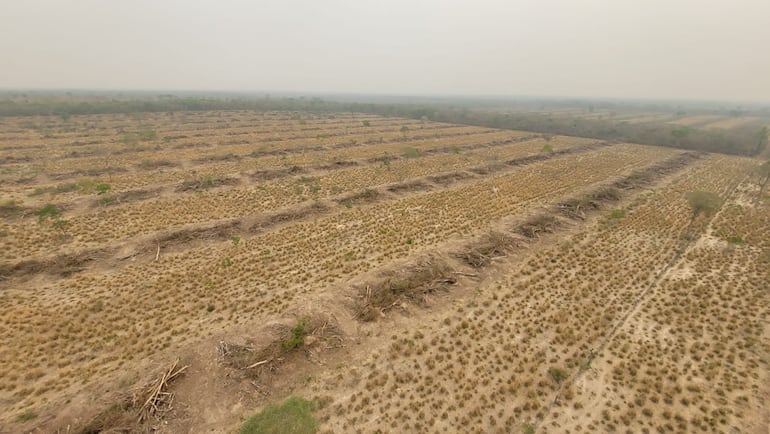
(696,49)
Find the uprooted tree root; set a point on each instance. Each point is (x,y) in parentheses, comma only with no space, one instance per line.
(412,283)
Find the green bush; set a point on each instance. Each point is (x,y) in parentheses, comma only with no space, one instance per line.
(557,375)
(102,188)
(703,202)
(297,338)
(293,416)
(48,211)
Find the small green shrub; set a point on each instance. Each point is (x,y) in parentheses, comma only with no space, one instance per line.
(547,148)
(297,338)
(557,375)
(735,240)
(293,416)
(102,188)
(366,123)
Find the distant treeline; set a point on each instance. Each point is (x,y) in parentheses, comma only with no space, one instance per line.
(747,140)
(38,107)
(743,140)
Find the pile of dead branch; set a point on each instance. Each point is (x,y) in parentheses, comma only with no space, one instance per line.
(359,198)
(576,208)
(220,231)
(285,216)
(255,357)
(159,400)
(205,184)
(537,225)
(132,410)
(62,265)
(407,187)
(126,196)
(644,177)
(413,284)
(492,246)
(450,178)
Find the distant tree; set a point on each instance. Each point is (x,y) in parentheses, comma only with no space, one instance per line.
(762,137)
(764,177)
(404,130)
(703,202)
(680,133)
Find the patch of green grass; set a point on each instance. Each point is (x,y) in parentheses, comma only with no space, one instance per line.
(410,152)
(61,188)
(9,208)
(48,211)
(293,416)
(617,214)
(547,148)
(735,240)
(145,135)
(26,416)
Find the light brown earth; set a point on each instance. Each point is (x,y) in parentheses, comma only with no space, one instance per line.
(453,278)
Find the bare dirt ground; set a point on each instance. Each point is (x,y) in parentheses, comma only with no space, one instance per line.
(447,278)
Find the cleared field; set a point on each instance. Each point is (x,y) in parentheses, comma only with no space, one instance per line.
(731,122)
(450,276)
(699,120)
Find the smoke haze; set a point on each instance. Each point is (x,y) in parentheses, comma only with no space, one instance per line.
(678,49)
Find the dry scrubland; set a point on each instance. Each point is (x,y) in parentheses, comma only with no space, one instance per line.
(446,277)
